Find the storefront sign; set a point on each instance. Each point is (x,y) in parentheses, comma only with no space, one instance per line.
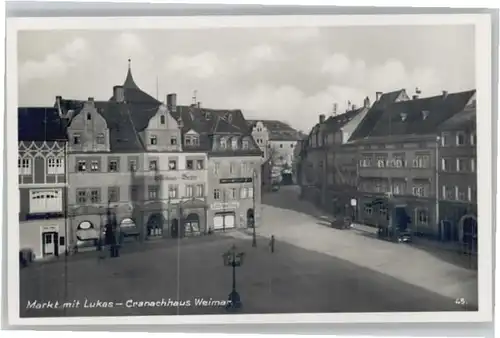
(172,177)
(225,205)
(235,180)
(50,228)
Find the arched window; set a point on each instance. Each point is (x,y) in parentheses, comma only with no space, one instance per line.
(86,232)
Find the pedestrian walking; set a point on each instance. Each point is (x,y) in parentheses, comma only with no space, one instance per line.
(271,243)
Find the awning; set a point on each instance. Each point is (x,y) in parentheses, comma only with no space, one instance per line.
(87,235)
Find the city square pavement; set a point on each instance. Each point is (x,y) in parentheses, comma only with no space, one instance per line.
(292,220)
(292,279)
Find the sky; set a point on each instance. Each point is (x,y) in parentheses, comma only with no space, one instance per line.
(290,74)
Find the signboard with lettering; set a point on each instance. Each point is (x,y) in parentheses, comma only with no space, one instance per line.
(50,228)
(225,205)
(176,176)
(235,180)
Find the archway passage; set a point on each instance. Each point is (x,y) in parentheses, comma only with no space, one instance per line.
(192,224)
(250,218)
(86,234)
(174,228)
(155,225)
(469,233)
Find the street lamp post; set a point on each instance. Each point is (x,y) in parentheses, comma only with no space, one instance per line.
(254,235)
(233,259)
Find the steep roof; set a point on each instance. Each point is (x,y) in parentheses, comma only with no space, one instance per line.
(126,119)
(465,119)
(271,125)
(335,123)
(374,114)
(278,130)
(418,116)
(40,124)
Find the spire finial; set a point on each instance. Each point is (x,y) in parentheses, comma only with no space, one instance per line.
(129,63)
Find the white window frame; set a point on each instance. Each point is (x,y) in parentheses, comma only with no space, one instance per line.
(459,168)
(57,193)
(24,166)
(473,165)
(418,219)
(55,165)
(473,138)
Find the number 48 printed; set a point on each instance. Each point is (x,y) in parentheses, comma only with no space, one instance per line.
(461,301)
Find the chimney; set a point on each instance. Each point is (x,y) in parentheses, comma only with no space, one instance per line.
(354,107)
(415,97)
(321,118)
(335,107)
(90,99)
(172,102)
(198,104)
(366,102)
(378,95)
(119,93)
(445,94)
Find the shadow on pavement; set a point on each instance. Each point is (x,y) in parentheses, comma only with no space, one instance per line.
(290,280)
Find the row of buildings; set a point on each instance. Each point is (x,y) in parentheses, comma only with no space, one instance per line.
(164,169)
(417,152)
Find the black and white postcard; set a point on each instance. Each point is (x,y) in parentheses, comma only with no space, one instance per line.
(249,169)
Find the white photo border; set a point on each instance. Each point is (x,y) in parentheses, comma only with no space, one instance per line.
(483,67)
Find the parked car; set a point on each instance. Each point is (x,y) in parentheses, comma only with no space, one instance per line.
(275,187)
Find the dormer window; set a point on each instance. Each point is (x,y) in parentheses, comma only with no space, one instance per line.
(153,140)
(244,144)
(76,139)
(234,142)
(223,143)
(100,138)
(162,119)
(425,114)
(173,141)
(403,116)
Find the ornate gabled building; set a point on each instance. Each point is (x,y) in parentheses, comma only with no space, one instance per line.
(42,181)
(148,161)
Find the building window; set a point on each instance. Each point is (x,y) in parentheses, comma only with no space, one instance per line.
(421,161)
(81,196)
(448,193)
(461,193)
(422,216)
(153,140)
(233,193)
(187,141)
(95,195)
(153,165)
(173,191)
(134,193)
(132,165)
(216,194)
(291,145)
(89,117)
(281,145)
(234,143)
(472,194)
(100,138)
(76,139)
(446,164)
(55,166)
(94,166)
(199,164)
(81,166)
(473,165)
(162,119)
(113,166)
(245,192)
(461,164)
(250,192)
(24,166)
(223,143)
(445,139)
(216,168)
(366,162)
(381,161)
(368,211)
(200,190)
(460,139)
(244,144)
(189,191)
(418,190)
(231,168)
(173,141)
(473,138)
(152,192)
(113,194)
(172,164)
(189,164)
